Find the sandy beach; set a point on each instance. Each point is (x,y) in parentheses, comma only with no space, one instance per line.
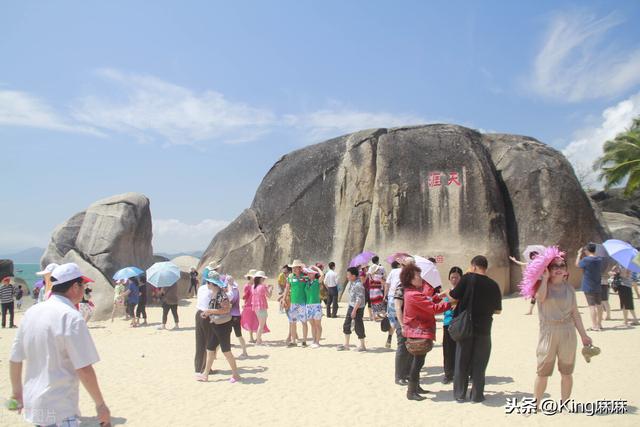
(147,377)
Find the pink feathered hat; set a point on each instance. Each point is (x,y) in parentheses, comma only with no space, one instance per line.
(535,269)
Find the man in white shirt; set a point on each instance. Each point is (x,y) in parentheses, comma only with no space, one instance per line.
(202,327)
(55,345)
(331,282)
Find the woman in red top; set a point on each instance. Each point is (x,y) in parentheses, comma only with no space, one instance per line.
(418,320)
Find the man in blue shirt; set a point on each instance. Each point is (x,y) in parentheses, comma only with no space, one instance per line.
(591,266)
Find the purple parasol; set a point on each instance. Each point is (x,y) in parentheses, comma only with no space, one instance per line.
(361,259)
(38,283)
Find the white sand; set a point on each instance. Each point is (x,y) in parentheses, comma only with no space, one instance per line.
(147,378)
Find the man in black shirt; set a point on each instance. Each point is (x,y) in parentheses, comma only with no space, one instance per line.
(472,354)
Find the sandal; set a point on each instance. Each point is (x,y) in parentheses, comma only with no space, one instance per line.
(342,348)
(233,380)
(202,378)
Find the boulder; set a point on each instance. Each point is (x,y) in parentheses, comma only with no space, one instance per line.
(431,190)
(623,227)
(544,202)
(614,200)
(111,234)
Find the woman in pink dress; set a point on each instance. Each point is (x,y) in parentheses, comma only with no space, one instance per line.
(260,292)
(248,318)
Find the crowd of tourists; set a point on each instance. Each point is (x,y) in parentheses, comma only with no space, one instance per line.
(401,301)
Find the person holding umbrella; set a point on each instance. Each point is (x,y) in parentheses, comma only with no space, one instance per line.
(622,280)
(559,319)
(165,275)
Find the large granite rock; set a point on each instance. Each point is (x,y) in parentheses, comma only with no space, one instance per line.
(623,227)
(544,202)
(389,190)
(111,234)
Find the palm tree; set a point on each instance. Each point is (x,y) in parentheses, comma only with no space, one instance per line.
(621,159)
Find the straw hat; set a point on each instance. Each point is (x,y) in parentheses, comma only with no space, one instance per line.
(297,263)
(260,273)
(588,351)
(250,274)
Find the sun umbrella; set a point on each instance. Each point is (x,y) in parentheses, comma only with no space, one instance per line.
(127,273)
(361,259)
(623,253)
(429,272)
(163,274)
(601,251)
(396,256)
(38,283)
(532,248)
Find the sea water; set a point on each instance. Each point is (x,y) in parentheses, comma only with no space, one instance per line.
(27,272)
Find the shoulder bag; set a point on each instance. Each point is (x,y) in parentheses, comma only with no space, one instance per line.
(461,326)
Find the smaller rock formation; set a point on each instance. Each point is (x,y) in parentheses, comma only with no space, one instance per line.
(111,234)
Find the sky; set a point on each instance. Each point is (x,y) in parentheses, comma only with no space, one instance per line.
(191,103)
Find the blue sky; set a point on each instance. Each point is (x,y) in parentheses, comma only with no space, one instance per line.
(192,102)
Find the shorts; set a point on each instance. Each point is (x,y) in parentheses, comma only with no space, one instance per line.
(626,298)
(235,324)
(314,311)
(262,314)
(593,298)
(391,313)
(556,342)
(67,422)
(220,335)
(297,313)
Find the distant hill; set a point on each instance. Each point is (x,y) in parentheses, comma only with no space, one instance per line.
(197,254)
(27,256)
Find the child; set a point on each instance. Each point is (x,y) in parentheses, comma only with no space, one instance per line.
(118,297)
(19,295)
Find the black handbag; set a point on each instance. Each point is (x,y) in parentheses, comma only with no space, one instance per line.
(385,325)
(461,326)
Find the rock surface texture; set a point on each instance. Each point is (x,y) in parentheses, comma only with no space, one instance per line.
(111,234)
(438,190)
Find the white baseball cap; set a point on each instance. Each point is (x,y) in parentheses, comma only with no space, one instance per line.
(66,272)
(48,269)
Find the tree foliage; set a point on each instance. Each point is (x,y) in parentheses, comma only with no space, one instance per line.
(621,159)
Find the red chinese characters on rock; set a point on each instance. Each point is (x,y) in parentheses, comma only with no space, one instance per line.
(453,179)
(439,259)
(435,179)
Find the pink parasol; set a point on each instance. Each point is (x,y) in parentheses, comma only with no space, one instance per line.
(397,256)
(361,259)
(535,269)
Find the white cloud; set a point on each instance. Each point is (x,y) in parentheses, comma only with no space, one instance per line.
(153,108)
(587,143)
(148,108)
(173,235)
(575,64)
(339,120)
(21,109)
